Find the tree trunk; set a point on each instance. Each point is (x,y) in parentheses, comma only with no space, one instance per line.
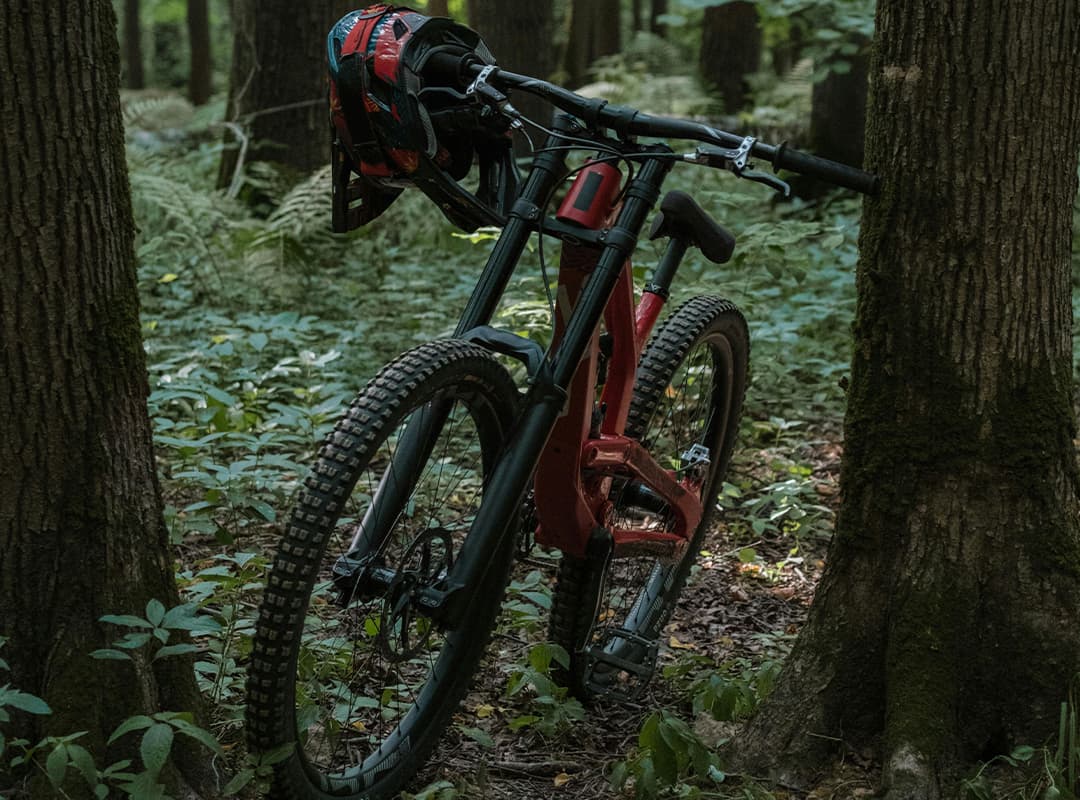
(277,84)
(520,36)
(945,624)
(838,119)
(438,8)
(133,58)
(594,32)
(168,67)
(658,9)
(635,12)
(81,526)
(198,21)
(838,111)
(730,51)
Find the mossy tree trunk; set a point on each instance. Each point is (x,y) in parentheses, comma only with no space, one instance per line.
(198,22)
(730,51)
(945,626)
(521,38)
(277,83)
(594,32)
(81,526)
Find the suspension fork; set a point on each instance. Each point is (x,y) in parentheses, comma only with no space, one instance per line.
(544,402)
(420,434)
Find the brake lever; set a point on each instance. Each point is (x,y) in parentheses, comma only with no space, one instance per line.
(737,161)
(492,98)
(774,183)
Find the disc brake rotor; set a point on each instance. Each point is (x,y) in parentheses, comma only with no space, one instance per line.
(403,632)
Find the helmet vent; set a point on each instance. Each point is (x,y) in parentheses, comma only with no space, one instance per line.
(400,29)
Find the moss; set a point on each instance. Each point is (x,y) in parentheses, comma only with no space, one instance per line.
(921,672)
(911,428)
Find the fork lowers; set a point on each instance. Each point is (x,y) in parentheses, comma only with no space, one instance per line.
(348,675)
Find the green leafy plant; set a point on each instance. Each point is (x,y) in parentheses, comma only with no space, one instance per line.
(1063,768)
(160,625)
(549,708)
(528,601)
(257,770)
(670,758)
(728,697)
(227,594)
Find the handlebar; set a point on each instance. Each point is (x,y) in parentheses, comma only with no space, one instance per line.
(626,121)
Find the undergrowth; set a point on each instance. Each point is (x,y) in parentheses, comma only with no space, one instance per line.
(259,329)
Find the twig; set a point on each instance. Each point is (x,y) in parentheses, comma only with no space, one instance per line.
(237,176)
(542,768)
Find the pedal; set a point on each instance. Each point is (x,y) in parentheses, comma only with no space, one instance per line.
(697,455)
(622,667)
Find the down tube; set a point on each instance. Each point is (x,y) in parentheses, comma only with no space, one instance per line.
(545,400)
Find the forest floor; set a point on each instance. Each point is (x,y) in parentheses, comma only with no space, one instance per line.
(736,618)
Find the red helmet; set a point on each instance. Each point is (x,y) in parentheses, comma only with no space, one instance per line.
(396,126)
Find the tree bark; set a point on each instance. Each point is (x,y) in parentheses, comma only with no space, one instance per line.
(945,624)
(730,51)
(81,526)
(277,84)
(594,32)
(438,8)
(657,10)
(520,36)
(638,23)
(198,21)
(133,57)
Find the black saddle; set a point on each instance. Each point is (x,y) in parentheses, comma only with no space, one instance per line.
(681,217)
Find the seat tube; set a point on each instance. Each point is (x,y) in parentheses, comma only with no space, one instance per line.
(641,196)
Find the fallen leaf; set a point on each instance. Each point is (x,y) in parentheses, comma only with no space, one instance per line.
(783,592)
(562,779)
(676,644)
(483,711)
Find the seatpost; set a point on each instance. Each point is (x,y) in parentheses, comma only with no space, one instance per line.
(668,266)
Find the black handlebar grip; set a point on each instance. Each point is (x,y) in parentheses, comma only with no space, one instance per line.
(448,68)
(826,170)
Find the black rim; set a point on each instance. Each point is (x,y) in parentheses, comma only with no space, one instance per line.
(368,668)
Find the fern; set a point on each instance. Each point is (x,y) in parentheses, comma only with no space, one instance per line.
(156,113)
(305,211)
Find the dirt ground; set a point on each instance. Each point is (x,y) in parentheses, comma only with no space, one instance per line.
(732,611)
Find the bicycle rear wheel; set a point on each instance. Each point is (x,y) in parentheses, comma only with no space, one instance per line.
(345,670)
(685,409)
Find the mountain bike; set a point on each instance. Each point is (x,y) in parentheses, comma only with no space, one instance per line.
(389,578)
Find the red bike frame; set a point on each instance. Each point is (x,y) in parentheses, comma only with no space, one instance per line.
(587,450)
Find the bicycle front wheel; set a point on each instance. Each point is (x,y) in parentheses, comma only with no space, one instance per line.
(347,676)
(685,409)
